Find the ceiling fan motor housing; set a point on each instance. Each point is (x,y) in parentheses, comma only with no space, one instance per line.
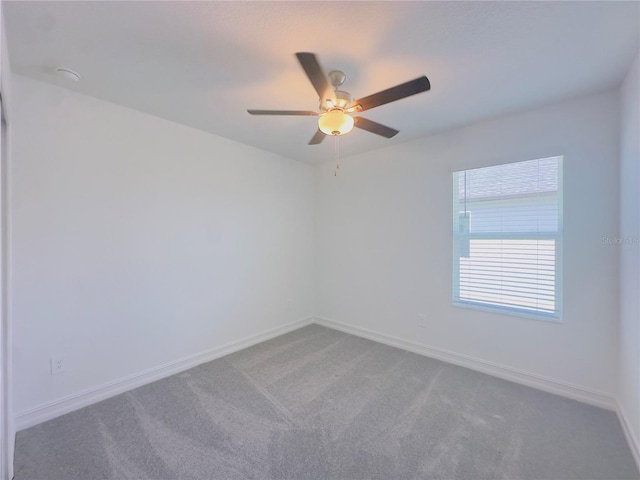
(342,100)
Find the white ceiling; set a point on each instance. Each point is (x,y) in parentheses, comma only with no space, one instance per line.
(203,64)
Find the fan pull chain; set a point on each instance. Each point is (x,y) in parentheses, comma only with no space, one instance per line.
(336,150)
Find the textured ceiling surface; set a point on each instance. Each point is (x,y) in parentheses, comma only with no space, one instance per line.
(203,64)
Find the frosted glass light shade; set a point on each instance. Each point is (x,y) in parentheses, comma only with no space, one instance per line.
(335,122)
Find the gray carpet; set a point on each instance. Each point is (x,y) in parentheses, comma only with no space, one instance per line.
(321,404)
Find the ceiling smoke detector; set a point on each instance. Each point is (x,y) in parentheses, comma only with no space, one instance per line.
(68,74)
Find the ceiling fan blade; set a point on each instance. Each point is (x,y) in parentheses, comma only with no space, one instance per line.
(282,112)
(392,94)
(317,138)
(317,77)
(374,127)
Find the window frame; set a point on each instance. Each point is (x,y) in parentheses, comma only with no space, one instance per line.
(558,237)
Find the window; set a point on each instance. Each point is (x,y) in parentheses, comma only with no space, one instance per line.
(507,238)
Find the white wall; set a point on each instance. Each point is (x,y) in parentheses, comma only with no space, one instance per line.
(138,241)
(384,242)
(7,431)
(629,367)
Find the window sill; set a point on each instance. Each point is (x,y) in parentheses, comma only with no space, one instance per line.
(511,312)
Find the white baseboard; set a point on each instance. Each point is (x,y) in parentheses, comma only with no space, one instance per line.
(42,413)
(575,392)
(50,410)
(632,439)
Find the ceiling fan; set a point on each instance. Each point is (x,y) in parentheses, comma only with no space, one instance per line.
(337,106)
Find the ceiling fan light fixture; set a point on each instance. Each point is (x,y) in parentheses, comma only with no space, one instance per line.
(335,122)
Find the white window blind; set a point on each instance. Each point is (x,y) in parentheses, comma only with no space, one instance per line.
(507,237)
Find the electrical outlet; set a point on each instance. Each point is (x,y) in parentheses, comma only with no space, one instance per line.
(58,364)
(288,306)
(422,320)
